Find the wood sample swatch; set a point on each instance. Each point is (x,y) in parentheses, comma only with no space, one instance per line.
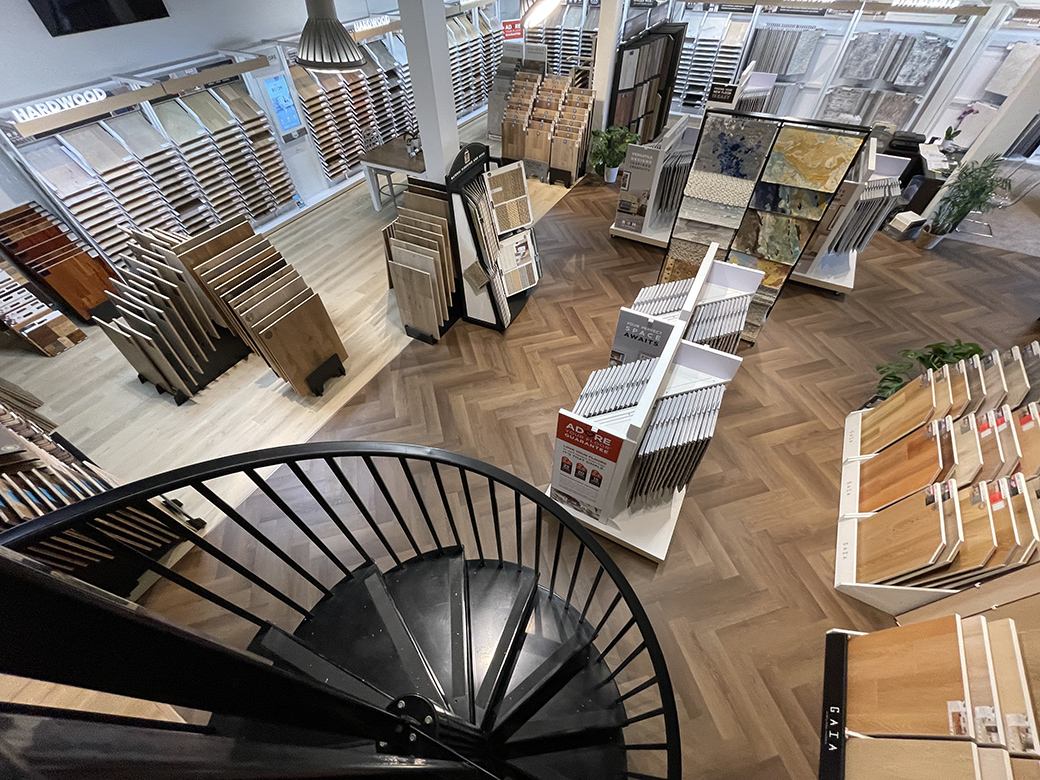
(1025,768)
(903,468)
(904,538)
(1006,435)
(910,759)
(902,413)
(959,391)
(978,659)
(994,764)
(980,539)
(993,379)
(989,441)
(1027,430)
(1012,687)
(969,451)
(415,302)
(1022,502)
(909,681)
(1015,378)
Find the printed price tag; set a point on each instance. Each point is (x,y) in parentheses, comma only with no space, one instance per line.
(958,713)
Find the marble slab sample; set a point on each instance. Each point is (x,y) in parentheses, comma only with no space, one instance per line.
(893,108)
(702,232)
(925,56)
(775,273)
(734,146)
(791,201)
(773,236)
(1013,68)
(811,158)
(803,52)
(863,58)
(698,210)
(843,104)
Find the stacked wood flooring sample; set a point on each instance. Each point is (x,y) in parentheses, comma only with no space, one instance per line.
(24,312)
(38,475)
(421,263)
(254,291)
(46,249)
(941,482)
(945,698)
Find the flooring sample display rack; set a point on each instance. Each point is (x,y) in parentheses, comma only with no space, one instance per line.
(644,80)
(600,462)
(422,261)
(497,250)
(569,35)
(39,474)
(25,312)
(164,152)
(759,186)
(980,419)
(971,717)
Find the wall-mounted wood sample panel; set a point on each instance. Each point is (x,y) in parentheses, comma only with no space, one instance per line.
(167,168)
(24,313)
(84,194)
(48,251)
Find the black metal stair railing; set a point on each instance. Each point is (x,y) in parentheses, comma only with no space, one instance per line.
(352,518)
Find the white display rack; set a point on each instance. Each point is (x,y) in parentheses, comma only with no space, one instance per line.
(682,367)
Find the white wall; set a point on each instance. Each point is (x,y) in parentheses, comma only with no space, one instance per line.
(32,63)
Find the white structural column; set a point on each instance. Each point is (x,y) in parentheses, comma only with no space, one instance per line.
(426,39)
(611,17)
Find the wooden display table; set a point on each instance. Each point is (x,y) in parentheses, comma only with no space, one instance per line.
(388,159)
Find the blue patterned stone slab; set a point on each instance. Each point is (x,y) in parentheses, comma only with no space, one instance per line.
(773,236)
(734,146)
(791,201)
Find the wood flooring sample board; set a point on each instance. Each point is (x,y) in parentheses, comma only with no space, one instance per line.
(910,759)
(980,538)
(909,681)
(1027,429)
(994,764)
(903,468)
(900,539)
(1012,687)
(982,685)
(902,413)
(1025,768)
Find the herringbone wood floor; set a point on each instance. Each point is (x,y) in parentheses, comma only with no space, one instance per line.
(743,601)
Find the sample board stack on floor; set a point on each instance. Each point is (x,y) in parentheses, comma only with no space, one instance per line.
(758,187)
(941,483)
(945,699)
(421,264)
(39,475)
(517,114)
(46,249)
(264,300)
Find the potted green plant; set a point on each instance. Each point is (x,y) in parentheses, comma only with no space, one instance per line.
(971,188)
(934,356)
(608,150)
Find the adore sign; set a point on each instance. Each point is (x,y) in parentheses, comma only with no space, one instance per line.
(58,104)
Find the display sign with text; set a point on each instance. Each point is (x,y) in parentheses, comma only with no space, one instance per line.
(512,30)
(584,463)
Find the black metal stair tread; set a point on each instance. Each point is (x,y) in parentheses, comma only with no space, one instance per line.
(595,762)
(500,603)
(358,627)
(549,626)
(430,594)
(288,652)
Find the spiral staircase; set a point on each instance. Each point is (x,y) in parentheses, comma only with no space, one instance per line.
(373,609)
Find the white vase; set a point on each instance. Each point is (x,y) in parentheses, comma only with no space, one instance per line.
(610,175)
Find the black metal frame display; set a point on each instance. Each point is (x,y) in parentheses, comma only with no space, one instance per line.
(391,504)
(676,31)
(835,688)
(724,203)
(472,161)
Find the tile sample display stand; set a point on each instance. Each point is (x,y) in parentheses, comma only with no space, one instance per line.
(652,180)
(497,250)
(759,186)
(854,215)
(644,80)
(422,261)
(607,492)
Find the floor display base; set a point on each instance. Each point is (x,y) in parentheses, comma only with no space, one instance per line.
(659,239)
(647,531)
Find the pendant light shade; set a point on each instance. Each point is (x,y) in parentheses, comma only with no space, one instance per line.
(325,43)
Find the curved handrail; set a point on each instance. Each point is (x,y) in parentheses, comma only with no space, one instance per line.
(65,518)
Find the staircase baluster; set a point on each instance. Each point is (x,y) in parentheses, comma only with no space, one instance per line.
(420,502)
(472,515)
(496,520)
(574,577)
(323,502)
(444,500)
(362,507)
